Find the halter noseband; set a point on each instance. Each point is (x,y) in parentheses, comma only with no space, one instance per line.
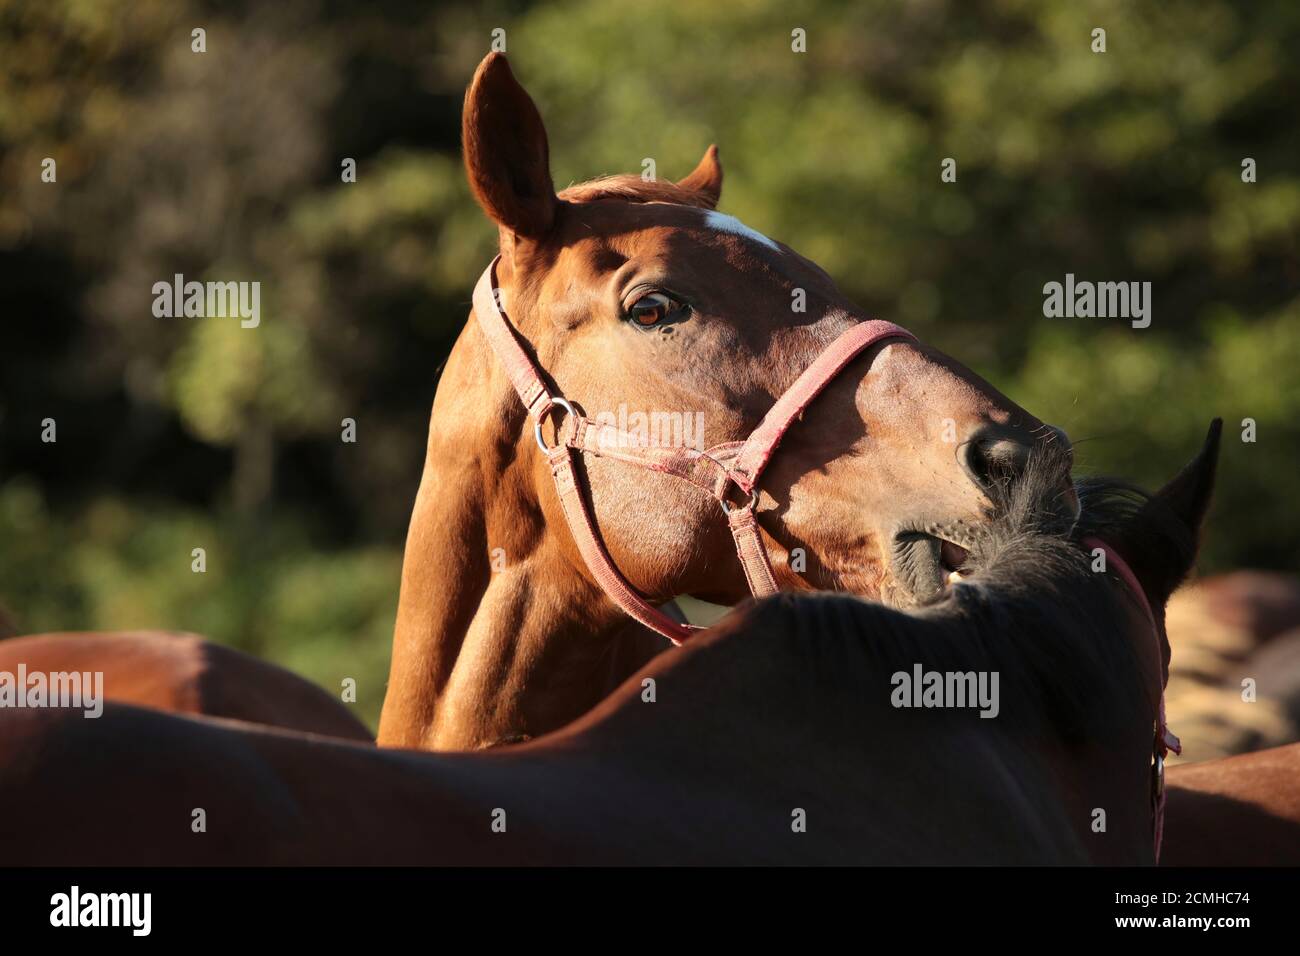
(1164,740)
(713,471)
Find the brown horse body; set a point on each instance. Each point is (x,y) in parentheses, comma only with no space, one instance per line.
(750,727)
(1235,811)
(185,674)
(774,738)
(638,295)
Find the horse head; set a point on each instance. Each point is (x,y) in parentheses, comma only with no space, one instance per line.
(638,301)
(640,295)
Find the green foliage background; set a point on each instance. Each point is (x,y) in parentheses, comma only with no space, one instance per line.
(177,434)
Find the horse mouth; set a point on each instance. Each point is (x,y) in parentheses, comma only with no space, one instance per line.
(925,563)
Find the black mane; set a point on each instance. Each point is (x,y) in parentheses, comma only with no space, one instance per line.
(1063,639)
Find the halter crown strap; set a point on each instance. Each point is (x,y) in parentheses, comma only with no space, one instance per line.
(712,471)
(519,366)
(1164,740)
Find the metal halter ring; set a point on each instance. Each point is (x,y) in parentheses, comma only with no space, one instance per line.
(753,500)
(537,427)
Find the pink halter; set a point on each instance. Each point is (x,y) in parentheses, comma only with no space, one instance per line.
(1164,740)
(713,471)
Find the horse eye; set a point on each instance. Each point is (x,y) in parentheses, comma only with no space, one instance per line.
(653,308)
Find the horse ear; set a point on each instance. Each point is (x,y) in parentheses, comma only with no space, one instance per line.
(1161,540)
(506,153)
(1187,496)
(706,178)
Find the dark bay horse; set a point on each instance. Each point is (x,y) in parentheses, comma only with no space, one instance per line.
(636,297)
(186,674)
(773,738)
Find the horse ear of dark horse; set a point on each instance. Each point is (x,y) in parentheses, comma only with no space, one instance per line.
(507,156)
(1160,542)
(706,178)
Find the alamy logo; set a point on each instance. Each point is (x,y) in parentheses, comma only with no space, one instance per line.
(76,690)
(1102,300)
(651,429)
(199,300)
(946,689)
(75,908)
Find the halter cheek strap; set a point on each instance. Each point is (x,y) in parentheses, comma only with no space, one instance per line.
(714,471)
(1164,740)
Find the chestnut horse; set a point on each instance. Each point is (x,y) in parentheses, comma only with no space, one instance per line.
(638,296)
(185,674)
(1235,811)
(774,738)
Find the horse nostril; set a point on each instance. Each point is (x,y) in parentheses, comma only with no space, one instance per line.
(992,462)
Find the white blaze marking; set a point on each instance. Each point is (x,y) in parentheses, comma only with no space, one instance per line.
(724,223)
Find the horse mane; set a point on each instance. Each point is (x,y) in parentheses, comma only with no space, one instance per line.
(1063,639)
(632,188)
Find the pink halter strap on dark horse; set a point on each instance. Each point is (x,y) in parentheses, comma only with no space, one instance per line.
(714,471)
(1164,740)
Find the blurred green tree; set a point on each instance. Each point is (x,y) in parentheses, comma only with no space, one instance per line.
(226,165)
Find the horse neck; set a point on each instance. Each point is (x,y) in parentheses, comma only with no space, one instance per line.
(498,634)
(798,707)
